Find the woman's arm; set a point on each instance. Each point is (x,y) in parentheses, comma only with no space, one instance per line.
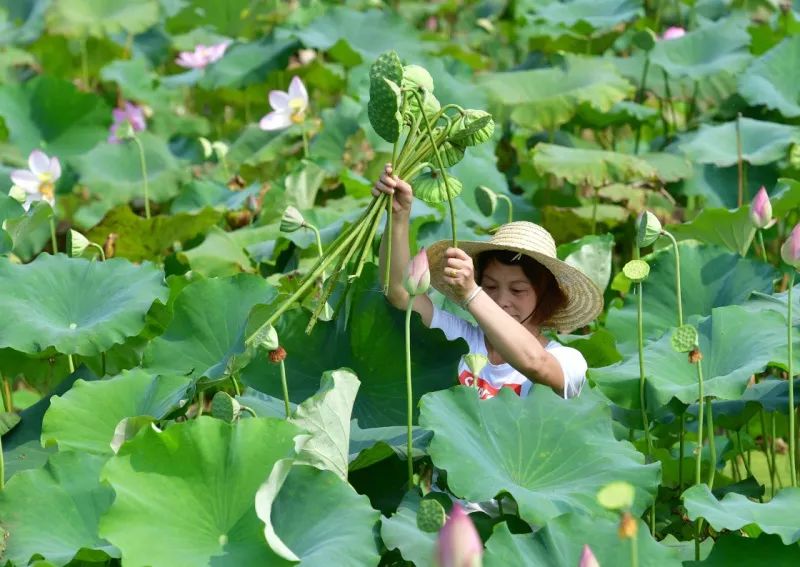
(401,214)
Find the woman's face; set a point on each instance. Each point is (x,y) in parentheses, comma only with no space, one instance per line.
(509,288)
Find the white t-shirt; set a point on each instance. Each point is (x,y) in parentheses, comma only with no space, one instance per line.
(496,376)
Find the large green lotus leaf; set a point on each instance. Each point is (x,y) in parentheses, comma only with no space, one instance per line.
(136,80)
(233,18)
(731,229)
(368,338)
(85,417)
(200,194)
(52,113)
(246,64)
(367,33)
(710,277)
(207,330)
(599,14)
(590,167)
(592,255)
(734,342)
(141,239)
(21,22)
(552,455)
(338,124)
(786,197)
(560,544)
(220,254)
(771,80)
(333,527)
(81,18)
(113,175)
(371,445)
(543,99)
(326,416)
(730,549)
(194,482)
(700,53)
(718,185)
(762,142)
(28,455)
(77,306)
(401,532)
(780,516)
(54,511)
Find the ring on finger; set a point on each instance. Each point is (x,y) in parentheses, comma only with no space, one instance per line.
(453,272)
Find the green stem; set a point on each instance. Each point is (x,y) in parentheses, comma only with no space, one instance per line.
(2,468)
(225,168)
(681,443)
(711,444)
(677,276)
(285,388)
(305,140)
(8,404)
(594,209)
(143,164)
(236,385)
(71,363)
(772,453)
(409,395)
(692,105)
(387,274)
(201,402)
(640,342)
(250,411)
(53,240)
(85,64)
(766,442)
(510,205)
(639,99)
(761,242)
(634,551)
(668,92)
(739,163)
(441,170)
(790,374)
(699,458)
(100,248)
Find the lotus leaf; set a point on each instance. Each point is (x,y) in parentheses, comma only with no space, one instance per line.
(730,229)
(246,64)
(598,14)
(81,18)
(770,80)
(401,532)
(591,167)
(730,549)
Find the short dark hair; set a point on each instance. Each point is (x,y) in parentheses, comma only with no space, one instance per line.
(549,296)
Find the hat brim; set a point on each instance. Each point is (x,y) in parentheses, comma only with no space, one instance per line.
(584,300)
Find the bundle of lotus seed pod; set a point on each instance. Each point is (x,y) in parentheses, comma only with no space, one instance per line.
(427,139)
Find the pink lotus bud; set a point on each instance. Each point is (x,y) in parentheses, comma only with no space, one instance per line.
(761,210)
(418,274)
(790,251)
(459,544)
(674,33)
(587,558)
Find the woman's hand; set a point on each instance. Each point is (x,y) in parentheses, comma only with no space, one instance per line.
(393,185)
(459,273)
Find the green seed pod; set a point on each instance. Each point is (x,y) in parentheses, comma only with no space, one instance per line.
(292,220)
(383,109)
(430,187)
(76,243)
(225,407)
(648,229)
(430,515)
(267,338)
(416,76)
(636,270)
(476,362)
(473,127)
(486,200)
(451,154)
(616,496)
(684,338)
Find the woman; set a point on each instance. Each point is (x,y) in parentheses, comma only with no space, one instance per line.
(514,286)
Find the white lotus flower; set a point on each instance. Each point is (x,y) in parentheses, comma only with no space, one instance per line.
(38,181)
(287,107)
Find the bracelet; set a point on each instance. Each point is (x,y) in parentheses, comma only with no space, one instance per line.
(475,292)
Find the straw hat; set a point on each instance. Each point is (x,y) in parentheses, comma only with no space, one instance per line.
(584,299)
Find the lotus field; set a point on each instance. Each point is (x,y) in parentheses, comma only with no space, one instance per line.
(199,361)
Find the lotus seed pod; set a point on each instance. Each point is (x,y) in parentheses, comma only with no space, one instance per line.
(77,242)
(476,363)
(414,75)
(430,515)
(486,200)
(431,188)
(636,270)
(684,338)
(648,229)
(207,149)
(267,338)
(225,407)
(645,39)
(292,220)
(473,127)
(616,496)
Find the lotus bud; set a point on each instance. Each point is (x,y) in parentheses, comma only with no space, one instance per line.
(648,229)
(761,210)
(790,251)
(459,544)
(18,194)
(418,274)
(587,558)
(674,32)
(78,243)
(292,220)
(476,363)
(207,149)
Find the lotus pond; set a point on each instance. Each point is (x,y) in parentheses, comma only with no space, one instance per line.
(200,367)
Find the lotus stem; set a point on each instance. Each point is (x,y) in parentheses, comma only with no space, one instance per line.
(8,404)
(285,388)
(53,239)
(100,248)
(85,63)
(304,133)
(711,443)
(387,270)
(634,551)
(739,163)
(441,170)
(235,384)
(677,275)
(201,402)
(510,205)
(409,396)
(699,457)
(671,106)
(595,202)
(767,443)
(640,343)
(790,375)
(2,468)
(681,443)
(639,99)
(772,454)
(143,164)
(761,242)
(71,363)
(250,411)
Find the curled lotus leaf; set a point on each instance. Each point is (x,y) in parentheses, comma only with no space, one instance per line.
(473,127)
(383,109)
(431,188)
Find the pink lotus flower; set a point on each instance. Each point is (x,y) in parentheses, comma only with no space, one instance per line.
(673,33)
(790,251)
(418,274)
(761,210)
(587,558)
(127,120)
(202,55)
(38,181)
(287,107)
(459,544)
